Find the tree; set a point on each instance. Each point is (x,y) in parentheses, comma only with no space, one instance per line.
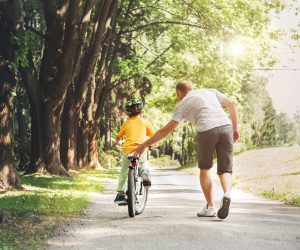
(286,128)
(269,135)
(80,60)
(67,58)
(9,10)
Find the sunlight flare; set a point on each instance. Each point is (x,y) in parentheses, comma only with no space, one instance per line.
(236,49)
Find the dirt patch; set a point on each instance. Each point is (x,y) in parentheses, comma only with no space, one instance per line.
(268,161)
(269,170)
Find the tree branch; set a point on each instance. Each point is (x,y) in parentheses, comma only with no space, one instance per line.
(163,23)
(159,56)
(35,31)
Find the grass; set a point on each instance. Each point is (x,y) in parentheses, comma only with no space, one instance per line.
(28,218)
(108,173)
(164,161)
(79,183)
(289,174)
(190,165)
(283,187)
(286,197)
(44,203)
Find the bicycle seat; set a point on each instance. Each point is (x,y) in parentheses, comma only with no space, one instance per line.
(132,158)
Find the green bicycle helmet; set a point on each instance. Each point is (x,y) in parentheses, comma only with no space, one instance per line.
(134,106)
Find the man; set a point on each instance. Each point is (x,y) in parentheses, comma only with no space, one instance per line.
(204,109)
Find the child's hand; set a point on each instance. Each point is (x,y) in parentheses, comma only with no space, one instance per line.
(154,145)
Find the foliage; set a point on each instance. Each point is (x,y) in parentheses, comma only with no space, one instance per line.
(108,159)
(21,52)
(288,129)
(268,129)
(200,52)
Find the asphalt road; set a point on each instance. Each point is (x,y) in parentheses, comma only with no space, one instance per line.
(170,222)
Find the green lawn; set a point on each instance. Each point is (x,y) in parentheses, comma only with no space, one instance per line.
(28,218)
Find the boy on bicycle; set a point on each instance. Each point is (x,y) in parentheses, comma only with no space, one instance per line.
(135,131)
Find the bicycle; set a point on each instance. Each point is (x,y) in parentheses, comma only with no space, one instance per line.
(137,194)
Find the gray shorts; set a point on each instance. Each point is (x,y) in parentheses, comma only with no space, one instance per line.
(219,140)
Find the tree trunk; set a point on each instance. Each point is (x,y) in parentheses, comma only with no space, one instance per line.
(50,126)
(9,178)
(21,131)
(69,131)
(93,146)
(9,14)
(31,85)
(83,144)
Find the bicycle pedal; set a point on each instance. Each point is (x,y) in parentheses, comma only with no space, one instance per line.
(123,204)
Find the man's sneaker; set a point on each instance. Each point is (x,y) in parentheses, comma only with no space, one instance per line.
(120,199)
(224,207)
(207,211)
(146,180)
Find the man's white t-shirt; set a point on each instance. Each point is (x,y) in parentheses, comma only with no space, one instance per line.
(202,108)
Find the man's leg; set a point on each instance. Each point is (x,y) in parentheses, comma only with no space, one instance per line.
(226,182)
(224,151)
(207,186)
(206,146)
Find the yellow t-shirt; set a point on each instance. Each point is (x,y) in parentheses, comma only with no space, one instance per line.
(136,130)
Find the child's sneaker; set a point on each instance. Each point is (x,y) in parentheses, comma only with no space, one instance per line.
(207,211)
(120,199)
(224,207)
(146,180)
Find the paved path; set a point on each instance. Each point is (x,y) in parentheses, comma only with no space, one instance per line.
(169,221)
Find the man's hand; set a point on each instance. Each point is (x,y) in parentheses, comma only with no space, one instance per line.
(139,150)
(236,135)
(233,115)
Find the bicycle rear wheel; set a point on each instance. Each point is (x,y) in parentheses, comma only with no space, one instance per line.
(141,196)
(131,198)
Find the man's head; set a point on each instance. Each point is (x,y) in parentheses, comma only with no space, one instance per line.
(134,107)
(182,88)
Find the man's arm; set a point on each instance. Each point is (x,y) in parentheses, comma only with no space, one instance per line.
(160,134)
(231,106)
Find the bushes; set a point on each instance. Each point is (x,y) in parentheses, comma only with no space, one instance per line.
(109,159)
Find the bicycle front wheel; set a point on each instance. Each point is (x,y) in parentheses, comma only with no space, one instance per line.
(131,198)
(141,196)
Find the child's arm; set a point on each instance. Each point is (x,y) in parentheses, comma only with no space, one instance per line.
(121,134)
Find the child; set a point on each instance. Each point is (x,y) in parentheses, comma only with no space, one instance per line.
(135,130)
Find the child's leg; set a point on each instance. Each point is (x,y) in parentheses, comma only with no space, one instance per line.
(143,164)
(123,173)
(144,170)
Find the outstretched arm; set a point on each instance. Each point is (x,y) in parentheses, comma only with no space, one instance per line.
(231,106)
(160,134)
